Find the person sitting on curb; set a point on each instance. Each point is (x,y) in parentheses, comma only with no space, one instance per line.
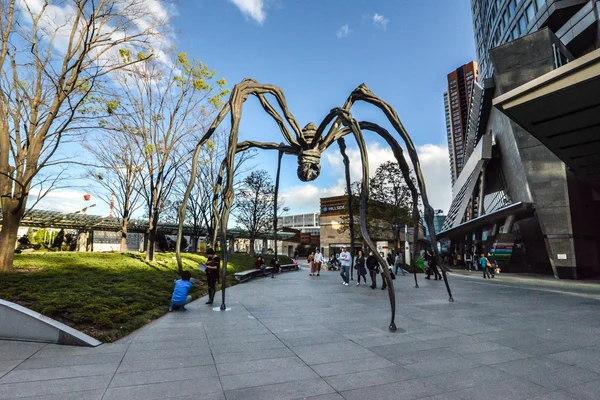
(180,293)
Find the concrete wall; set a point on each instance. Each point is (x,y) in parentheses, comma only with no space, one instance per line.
(517,63)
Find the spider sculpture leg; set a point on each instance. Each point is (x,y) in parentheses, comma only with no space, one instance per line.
(362,93)
(342,145)
(238,96)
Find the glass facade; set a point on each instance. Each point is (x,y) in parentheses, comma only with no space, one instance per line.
(500,21)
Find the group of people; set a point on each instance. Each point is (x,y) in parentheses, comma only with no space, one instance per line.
(363,265)
(260,264)
(180,295)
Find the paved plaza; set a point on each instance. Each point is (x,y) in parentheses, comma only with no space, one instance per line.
(301,337)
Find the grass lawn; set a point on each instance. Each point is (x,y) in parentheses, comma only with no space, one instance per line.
(105,295)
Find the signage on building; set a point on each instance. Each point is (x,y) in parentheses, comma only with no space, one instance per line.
(333,208)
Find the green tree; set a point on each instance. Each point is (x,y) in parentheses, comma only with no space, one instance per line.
(159,109)
(52,57)
(254,205)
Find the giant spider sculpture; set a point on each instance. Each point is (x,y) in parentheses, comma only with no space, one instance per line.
(308,144)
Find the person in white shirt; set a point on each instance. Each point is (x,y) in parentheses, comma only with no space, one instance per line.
(319,260)
(346,260)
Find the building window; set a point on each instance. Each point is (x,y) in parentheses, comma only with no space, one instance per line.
(511,8)
(530,12)
(515,32)
(540,4)
(523,24)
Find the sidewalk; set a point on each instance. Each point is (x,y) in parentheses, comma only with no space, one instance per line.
(297,337)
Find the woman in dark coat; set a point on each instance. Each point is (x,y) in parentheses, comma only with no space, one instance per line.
(361,269)
(373,267)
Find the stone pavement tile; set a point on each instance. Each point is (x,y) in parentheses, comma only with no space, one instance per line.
(66,361)
(475,348)
(330,396)
(251,355)
(148,337)
(586,391)
(440,366)
(392,338)
(167,353)
(304,389)
(193,387)
(83,395)
(236,347)
(7,366)
(468,378)
(577,356)
(205,396)
(405,390)
(56,386)
(265,366)
(331,352)
(309,340)
(421,356)
(392,351)
(12,350)
(498,336)
(530,365)
(351,366)
(372,377)
(497,356)
(163,375)
(513,389)
(53,350)
(447,335)
(443,396)
(168,344)
(252,379)
(163,363)
(218,341)
(559,395)
(563,378)
(72,371)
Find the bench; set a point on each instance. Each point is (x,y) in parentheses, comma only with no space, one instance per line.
(245,276)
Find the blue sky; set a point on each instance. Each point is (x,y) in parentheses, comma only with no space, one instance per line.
(318,51)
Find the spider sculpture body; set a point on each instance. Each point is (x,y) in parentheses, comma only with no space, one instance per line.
(308,144)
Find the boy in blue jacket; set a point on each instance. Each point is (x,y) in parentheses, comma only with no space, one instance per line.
(180,294)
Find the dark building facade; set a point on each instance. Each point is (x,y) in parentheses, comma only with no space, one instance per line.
(515,197)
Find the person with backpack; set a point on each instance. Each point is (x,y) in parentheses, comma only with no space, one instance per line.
(485,265)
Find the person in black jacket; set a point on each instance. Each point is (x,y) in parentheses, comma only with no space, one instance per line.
(212,273)
(373,267)
(360,267)
(433,268)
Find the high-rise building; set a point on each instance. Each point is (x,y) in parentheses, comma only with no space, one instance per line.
(497,22)
(529,188)
(457,100)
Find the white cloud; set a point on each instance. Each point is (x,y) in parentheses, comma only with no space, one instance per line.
(305,198)
(380,21)
(434,165)
(252,8)
(344,31)
(67,201)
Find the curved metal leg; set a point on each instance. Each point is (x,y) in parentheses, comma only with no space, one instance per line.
(342,144)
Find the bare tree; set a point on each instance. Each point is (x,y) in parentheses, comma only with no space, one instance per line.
(117,174)
(159,109)
(255,203)
(52,57)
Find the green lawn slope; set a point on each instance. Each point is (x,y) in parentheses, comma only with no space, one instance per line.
(105,295)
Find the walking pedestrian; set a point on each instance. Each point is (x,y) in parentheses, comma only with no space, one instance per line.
(318,260)
(493,264)
(311,263)
(361,269)
(212,273)
(346,260)
(296,255)
(484,262)
(433,268)
(468,261)
(399,263)
(373,267)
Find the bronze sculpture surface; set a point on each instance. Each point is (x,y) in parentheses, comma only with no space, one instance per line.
(308,144)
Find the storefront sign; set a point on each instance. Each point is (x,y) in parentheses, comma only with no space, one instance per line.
(333,208)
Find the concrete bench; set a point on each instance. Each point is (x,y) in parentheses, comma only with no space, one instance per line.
(245,276)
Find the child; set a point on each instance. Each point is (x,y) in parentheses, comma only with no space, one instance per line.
(180,294)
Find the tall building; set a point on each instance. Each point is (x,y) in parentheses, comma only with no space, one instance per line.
(529,188)
(457,100)
(497,22)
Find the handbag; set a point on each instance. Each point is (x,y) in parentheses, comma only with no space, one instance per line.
(393,275)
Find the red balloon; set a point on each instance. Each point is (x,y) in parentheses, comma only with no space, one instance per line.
(87,196)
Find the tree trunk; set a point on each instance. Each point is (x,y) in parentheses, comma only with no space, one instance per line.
(124,224)
(152,230)
(12,214)
(251,247)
